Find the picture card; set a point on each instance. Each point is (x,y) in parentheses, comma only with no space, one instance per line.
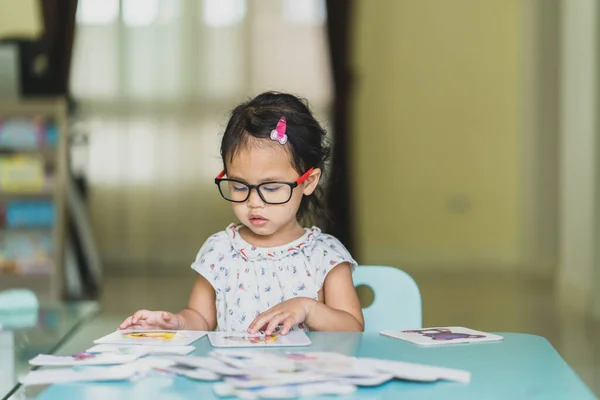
(140,349)
(366,381)
(197,374)
(207,363)
(442,335)
(275,379)
(242,339)
(416,372)
(46,360)
(151,337)
(226,389)
(89,374)
(249,359)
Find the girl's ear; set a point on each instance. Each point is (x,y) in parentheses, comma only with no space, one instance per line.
(312,181)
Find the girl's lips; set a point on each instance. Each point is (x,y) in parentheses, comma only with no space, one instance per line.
(257,220)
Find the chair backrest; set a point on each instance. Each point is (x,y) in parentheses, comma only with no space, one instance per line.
(397,303)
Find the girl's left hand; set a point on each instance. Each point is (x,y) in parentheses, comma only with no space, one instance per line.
(288,313)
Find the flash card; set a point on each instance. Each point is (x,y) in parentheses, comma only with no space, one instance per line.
(151,337)
(242,339)
(441,336)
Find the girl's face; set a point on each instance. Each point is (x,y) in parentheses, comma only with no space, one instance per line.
(264,161)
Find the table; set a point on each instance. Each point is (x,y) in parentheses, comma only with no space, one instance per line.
(520,367)
(50,326)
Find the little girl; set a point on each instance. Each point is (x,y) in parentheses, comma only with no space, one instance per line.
(269,272)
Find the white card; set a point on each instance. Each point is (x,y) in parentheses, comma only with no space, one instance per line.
(307,390)
(366,381)
(354,369)
(249,359)
(332,365)
(292,391)
(46,360)
(140,349)
(208,363)
(258,381)
(147,364)
(197,374)
(242,339)
(63,375)
(151,337)
(416,372)
(318,358)
(442,335)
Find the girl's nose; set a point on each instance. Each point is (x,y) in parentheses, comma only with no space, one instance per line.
(254,201)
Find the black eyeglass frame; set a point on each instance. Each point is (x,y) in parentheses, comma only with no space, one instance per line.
(292,185)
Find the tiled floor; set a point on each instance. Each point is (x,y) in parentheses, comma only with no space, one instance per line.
(489,302)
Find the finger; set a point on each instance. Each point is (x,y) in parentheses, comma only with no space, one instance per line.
(260,321)
(138,327)
(127,322)
(254,324)
(287,325)
(130,323)
(261,326)
(140,314)
(275,321)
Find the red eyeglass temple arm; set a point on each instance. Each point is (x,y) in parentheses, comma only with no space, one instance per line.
(298,181)
(305,176)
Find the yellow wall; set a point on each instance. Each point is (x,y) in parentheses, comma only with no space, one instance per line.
(437,136)
(20,18)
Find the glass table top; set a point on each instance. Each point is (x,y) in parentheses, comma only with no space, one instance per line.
(23,336)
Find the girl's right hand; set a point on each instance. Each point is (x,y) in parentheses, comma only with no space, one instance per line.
(147,320)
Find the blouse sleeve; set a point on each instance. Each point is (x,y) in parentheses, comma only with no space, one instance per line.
(327,254)
(209,258)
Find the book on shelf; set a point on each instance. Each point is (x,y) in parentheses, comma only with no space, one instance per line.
(27,133)
(20,214)
(22,174)
(28,253)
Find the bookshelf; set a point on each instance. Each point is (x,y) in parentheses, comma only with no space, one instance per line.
(33,183)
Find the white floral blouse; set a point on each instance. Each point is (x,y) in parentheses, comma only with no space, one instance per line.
(249,280)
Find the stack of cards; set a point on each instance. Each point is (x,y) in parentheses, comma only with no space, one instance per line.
(88,373)
(250,374)
(442,335)
(121,350)
(246,372)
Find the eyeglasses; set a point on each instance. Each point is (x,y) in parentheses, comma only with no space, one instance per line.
(270,192)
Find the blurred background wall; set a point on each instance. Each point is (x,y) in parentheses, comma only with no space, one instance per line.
(438,133)
(155,81)
(441,97)
(455,125)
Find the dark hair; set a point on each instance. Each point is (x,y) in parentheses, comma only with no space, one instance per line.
(307,143)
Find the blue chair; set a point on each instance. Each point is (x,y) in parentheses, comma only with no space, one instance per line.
(397,303)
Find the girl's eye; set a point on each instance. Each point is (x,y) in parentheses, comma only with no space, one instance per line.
(271,188)
(239,188)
